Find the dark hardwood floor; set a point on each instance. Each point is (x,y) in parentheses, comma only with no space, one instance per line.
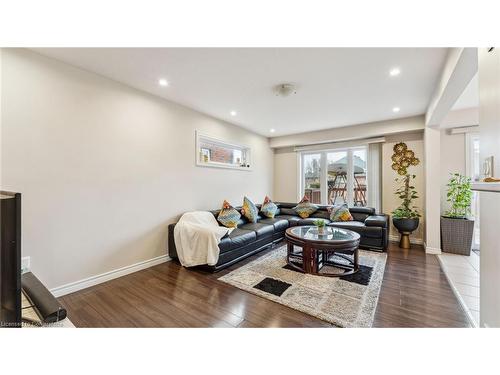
(415,293)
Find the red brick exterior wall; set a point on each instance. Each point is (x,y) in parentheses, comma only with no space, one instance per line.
(221,155)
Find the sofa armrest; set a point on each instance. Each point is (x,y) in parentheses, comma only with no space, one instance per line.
(380,220)
(172,251)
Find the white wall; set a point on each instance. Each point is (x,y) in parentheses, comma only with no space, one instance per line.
(489,129)
(452,160)
(103,168)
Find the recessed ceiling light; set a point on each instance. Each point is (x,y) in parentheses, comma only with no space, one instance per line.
(233,113)
(396,109)
(272,130)
(163,82)
(394,72)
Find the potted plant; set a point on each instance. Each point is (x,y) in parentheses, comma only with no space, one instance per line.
(406,217)
(456,228)
(321,224)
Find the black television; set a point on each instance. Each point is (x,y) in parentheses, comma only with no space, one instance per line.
(10,260)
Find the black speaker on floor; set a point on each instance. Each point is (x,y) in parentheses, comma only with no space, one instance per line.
(10,260)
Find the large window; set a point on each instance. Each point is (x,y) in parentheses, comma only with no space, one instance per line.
(335,176)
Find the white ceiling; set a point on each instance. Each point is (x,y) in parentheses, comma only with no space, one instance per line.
(335,86)
(470,96)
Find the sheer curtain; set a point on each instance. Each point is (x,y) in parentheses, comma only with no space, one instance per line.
(374,176)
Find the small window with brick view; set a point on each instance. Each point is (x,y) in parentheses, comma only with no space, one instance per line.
(213,152)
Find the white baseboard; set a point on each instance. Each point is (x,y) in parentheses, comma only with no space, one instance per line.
(432,250)
(416,241)
(110,275)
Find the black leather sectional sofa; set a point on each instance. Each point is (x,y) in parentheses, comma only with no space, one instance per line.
(250,238)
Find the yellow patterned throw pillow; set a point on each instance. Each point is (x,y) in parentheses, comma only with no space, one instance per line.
(340,212)
(228,215)
(268,208)
(249,210)
(305,208)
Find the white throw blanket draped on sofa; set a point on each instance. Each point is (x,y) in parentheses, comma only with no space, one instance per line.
(197,236)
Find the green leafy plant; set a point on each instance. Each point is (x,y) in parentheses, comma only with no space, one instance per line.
(319,223)
(459,195)
(407,193)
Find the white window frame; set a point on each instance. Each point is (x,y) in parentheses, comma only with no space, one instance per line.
(323,172)
(469,151)
(204,138)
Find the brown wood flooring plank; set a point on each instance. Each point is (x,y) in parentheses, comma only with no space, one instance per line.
(415,293)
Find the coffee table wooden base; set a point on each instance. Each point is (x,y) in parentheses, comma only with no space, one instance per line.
(351,267)
(316,256)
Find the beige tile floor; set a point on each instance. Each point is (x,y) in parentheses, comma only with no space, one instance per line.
(463,274)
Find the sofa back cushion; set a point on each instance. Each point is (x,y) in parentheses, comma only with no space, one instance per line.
(361,213)
(285,208)
(287,211)
(358,213)
(321,213)
(285,205)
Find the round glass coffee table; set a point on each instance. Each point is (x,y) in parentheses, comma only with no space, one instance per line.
(335,249)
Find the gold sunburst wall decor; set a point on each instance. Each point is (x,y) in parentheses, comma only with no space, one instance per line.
(403,158)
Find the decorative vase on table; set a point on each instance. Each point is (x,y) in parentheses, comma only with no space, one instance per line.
(406,217)
(457,229)
(320,225)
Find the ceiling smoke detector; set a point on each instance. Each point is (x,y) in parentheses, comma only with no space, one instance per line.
(285,89)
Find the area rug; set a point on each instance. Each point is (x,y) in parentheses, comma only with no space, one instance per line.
(345,301)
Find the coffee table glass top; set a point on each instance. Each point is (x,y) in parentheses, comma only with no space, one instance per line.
(311,232)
